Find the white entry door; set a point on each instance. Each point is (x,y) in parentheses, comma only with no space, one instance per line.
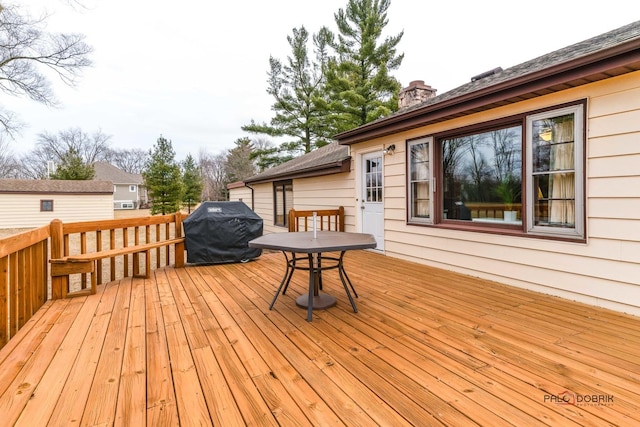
(372,204)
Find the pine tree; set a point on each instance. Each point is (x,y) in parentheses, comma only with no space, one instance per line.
(193,183)
(239,163)
(73,167)
(297,87)
(163,179)
(358,80)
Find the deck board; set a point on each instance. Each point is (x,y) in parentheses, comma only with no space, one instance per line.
(199,346)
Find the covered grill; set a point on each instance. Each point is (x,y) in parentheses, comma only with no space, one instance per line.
(219,232)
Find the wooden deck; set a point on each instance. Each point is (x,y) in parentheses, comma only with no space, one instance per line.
(198,346)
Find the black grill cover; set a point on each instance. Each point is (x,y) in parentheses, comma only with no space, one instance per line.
(219,232)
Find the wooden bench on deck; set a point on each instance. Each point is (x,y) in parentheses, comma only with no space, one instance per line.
(64,264)
(86,263)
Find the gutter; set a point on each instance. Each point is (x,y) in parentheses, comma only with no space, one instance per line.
(594,65)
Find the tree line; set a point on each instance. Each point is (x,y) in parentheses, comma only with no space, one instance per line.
(330,83)
(71,153)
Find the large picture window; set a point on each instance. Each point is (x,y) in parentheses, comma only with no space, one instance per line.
(523,174)
(482,176)
(282,202)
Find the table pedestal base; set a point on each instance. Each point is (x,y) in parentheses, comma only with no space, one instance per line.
(320,302)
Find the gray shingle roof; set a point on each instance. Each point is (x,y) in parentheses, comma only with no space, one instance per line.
(326,158)
(107,172)
(607,55)
(55,186)
(558,57)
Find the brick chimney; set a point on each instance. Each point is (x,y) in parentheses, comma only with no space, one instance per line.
(416,93)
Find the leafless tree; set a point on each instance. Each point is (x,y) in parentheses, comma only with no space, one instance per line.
(213,173)
(29,54)
(76,4)
(8,162)
(53,148)
(131,161)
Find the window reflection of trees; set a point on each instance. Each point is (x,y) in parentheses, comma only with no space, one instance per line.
(474,166)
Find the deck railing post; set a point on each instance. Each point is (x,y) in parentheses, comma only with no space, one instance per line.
(179,249)
(59,284)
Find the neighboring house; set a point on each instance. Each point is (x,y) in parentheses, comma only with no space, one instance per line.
(554,140)
(271,193)
(129,191)
(28,203)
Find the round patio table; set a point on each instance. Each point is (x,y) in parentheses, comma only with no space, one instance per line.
(313,245)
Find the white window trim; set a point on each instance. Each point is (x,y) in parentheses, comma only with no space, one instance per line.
(132,188)
(431,179)
(578,230)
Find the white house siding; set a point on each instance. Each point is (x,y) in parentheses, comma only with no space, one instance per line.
(604,271)
(263,206)
(323,192)
(23,210)
(242,194)
(327,192)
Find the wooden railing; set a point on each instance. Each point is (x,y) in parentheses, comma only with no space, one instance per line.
(23,279)
(75,251)
(326,219)
(489,210)
(88,248)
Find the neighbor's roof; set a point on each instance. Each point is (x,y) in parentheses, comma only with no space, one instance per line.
(55,186)
(608,55)
(107,172)
(331,158)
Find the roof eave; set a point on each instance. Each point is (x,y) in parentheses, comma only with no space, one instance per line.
(506,92)
(340,166)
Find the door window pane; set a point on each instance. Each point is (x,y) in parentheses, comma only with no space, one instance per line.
(373,179)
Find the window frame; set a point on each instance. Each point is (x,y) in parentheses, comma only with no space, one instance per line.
(578,230)
(526,228)
(412,218)
(133,188)
(285,215)
(43,203)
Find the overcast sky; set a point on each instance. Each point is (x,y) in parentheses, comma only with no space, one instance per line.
(195,71)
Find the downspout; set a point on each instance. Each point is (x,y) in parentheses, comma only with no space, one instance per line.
(252,195)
